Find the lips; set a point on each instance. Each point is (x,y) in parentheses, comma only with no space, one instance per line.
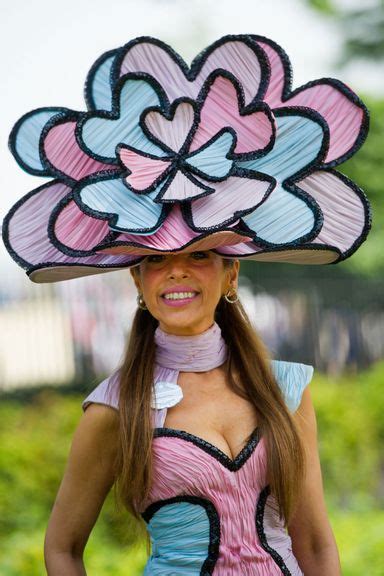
(179,296)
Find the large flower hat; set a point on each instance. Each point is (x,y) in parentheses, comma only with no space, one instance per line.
(222,155)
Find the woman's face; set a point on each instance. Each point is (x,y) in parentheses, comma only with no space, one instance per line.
(182,290)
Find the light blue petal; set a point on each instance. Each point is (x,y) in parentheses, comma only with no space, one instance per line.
(298,142)
(284,217)
(101,135)
(187,524)
(135,211)
(212,159)
(292,379)
(99,86)
(27,135)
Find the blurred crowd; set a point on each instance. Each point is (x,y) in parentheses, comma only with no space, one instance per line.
(77,330)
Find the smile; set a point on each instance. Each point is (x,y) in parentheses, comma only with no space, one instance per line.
(179,295)
(179,298)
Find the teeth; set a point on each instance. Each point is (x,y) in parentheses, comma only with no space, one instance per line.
(179,295)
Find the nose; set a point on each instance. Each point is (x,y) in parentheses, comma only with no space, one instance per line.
(178,266)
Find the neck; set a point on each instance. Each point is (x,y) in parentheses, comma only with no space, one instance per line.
(194,353)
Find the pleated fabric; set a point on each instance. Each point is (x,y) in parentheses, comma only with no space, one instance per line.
(223,154)
(206,512)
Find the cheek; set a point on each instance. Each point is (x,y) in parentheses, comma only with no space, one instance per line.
(147,285)
(216,287)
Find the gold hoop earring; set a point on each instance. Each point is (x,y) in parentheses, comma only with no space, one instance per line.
(140,302)
(230,293)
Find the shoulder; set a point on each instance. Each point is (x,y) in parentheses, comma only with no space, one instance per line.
(106,393)
(97,424)
(292,379)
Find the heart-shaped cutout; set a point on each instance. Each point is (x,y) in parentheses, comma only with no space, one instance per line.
(221,109)
(171,131)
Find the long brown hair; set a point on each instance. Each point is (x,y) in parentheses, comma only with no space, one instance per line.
(247,363)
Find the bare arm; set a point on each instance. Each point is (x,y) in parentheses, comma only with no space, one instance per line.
(313,542)
(88,477)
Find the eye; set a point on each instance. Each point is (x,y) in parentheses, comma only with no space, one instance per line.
(200,255)
(155,258)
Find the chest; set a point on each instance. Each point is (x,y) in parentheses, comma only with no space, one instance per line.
(212,411)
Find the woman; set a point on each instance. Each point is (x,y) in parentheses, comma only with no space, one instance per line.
(238,433)
(177,172)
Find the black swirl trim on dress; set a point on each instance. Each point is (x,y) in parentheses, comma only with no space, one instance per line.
(214,526)
(261,534)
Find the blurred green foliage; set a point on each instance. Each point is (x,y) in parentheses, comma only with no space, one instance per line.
(351,433)
(361,26)
(366,169)
(324,6)
(35,437)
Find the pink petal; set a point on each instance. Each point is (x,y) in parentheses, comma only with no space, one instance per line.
(345,117)
(174,235)
(172,132)
(275,88)
(344,210)
(232,55)
(241,60)
(77,230)
(221,109)
(152,59)
(231,196)
(64,153)
(145,170)
(182,188)
(27,231)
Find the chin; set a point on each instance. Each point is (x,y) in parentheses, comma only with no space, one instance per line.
(182,325)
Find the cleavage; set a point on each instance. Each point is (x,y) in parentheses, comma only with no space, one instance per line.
(218,442)
(227,429)
(213,413)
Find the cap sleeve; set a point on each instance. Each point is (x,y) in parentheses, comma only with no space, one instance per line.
(292,379)
(107,392)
